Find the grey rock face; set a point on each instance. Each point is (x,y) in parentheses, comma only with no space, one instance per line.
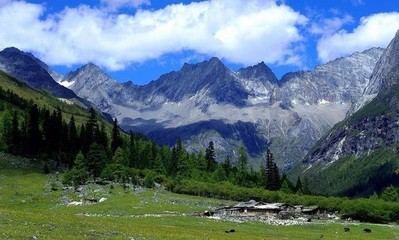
(342,80)
(199,102)
(91,85)
(382,77)
(386,71)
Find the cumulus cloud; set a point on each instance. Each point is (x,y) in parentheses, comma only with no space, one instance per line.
(114,5)
(240,31)
(373,31)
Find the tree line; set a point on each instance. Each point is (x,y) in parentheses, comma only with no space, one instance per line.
(89,151)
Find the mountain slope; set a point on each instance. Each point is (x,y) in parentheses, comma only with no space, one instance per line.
(30,70)
(42,99)
(362,151)
(199,102)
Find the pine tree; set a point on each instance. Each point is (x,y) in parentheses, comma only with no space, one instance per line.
(6,120)
(390,193)
(286,185)
(159,165)
(83,140)
(227,166)
(116,140)
(120,157)
(272,173)
(73,140)
(48,132)
(298,186)
(96,159)
(80,161)
(134,156)
(201,163)
(181,158)
(242,172)
(210,157)
(15,140)
(63,145)
(101,136)
(90,130)
(33,141)
(178,159)
(165,157)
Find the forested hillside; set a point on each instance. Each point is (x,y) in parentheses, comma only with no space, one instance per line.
(64,136)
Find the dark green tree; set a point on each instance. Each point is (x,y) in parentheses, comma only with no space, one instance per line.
(88,133)
(201,162)
(78,174)
(227,166)
(120,157)
(286,185)
(242,173)
(272,173)
(116,140)
(101,136)
(96,159)
(134,156)
(6,122)
(73,141)
(178,159)
(210,157)
(33,140)
(15,138)
(298,186)
(391,194)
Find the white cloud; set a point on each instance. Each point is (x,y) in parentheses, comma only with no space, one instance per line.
(114,5)
(373,31)
(329,26)
(4,2)
(240,31)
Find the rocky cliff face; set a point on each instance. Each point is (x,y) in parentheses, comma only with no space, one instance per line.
(250,107)
(373,127)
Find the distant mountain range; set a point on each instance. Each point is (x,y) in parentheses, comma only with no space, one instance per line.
(250,107)
(208,102)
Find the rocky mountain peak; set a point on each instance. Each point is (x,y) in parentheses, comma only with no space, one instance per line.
(88,73)
(11,51)
(212,65)
(92,68)
(259,71)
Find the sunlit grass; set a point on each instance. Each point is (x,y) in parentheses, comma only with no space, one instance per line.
(28,208)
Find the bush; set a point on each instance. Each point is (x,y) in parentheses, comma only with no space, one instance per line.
(149,181)
(75,177)
(161,179)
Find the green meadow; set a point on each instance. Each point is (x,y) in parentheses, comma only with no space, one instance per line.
(34,206)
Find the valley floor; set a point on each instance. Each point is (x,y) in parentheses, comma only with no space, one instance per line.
(37,206)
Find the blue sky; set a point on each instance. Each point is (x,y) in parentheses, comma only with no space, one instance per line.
(139,40)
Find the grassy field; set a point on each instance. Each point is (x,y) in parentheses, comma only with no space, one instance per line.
(33,206)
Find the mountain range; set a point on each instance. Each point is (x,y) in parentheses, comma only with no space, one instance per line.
(208,102)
